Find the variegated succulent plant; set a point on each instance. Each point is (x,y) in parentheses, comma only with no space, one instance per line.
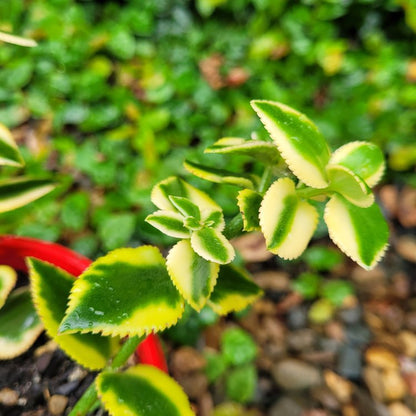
(285,208)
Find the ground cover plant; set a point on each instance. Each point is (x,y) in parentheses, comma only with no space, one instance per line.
(135,291)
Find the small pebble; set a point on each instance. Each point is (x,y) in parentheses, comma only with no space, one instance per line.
(187,359)
(381,357)
(57,404)
(409,343)
(301,339)
(8,397)
(349,362)
(406,247)
(286,406)
(358,335)
(399,409)
(292,374)
(351,315)
(341,388)
(297,317)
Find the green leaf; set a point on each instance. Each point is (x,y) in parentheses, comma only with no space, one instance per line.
(142,390)
(17,192)
(174,186)
(307,284)
(249,203)
(192,275)
(321,311)
(212,246)
(238,346)
(75,211)
(336,291)
(364,159)
(186,207)
(116,230)
(50,290)
(8,279)
(241,382)
(216,365)
(126,292)
(298,140)
(170,223)
(349,185)
(219,175)
(257,149)
(234,291)
(19,324)
(322,258)
(9,153)
(287,222)
(361,233)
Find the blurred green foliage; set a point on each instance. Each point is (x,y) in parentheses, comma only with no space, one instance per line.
(117,94)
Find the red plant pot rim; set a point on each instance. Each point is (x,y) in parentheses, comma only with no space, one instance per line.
(13,252)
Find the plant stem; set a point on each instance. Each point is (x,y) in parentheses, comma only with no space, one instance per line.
(89,398)
(265,179)
(234,227)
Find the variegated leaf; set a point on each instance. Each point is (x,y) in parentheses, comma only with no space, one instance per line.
(50,290)
(234,290)
(186,207)
(212,246)
(126,292)
(192,275)
(219,175)
(8,279)
(9,152)
(174,186)
(286,221)
(249,203)
(298,140)
(17,192)
(19,324)
(349,185)
(257,149)
(361,233)
(170,223)
(365,159)
(214,219)
(142,390)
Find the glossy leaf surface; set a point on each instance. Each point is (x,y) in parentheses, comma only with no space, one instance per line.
(286,221)
(364,159)
(8,279)
(126,292)
(14,193)
(51,287)
(169,222)
(298,140)
(350,186)
(257,149)
(142,390)
(218,175)
(192,275)
(212,246)
(249,203)
(234,290)
(19,324)
(174,186)
(361,233)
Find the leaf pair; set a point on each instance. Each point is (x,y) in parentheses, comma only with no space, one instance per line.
(193,263)
(287,217)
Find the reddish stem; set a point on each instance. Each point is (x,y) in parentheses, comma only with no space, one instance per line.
(14,250)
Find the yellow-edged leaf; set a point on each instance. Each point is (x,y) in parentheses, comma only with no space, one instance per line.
(234,291)
(249,203)
(50,290)
(142,390)
(192,275)
(19,324)
(126,292)
(286,221)
(212,246)
(364,159)
(17,192)
(361,233)
(298,140)
(8,279)
(169,222)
